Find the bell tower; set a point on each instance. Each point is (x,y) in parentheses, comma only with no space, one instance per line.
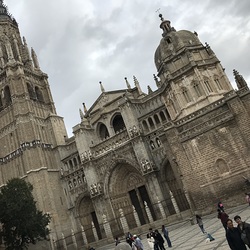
(31,132)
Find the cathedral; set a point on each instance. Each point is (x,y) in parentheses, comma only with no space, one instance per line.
(136,159)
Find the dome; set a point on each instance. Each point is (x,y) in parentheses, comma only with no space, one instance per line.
(172,42)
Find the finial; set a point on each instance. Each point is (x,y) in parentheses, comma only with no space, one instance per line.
(239,79)
(102,88)
(84,108)
(127,83)
(149,90)
(161,17)
(137,85)
(81,114)
(34,58)
(24,41)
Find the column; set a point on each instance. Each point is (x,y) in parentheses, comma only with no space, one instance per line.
(74,239)
(137,220)
(124,222)
(148,212)
(94,231)
(176,208)
(106,226)
(85,241)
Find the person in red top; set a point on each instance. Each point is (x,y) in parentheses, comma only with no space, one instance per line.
(223,217)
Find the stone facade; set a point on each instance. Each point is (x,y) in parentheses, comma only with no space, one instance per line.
(135,158)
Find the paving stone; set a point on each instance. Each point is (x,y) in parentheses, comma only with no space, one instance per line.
(185,236)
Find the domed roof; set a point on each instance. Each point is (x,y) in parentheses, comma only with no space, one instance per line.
(173,41)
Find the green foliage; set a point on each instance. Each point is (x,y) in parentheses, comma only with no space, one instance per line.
(21,222)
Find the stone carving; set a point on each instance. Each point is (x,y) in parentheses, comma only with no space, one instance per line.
(147,166)
(95,189)
(133,131)
(23,147)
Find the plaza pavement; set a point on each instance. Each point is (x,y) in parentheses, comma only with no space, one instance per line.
(185,236)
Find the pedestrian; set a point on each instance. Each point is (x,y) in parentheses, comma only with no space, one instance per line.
(200,223)
(152,234)
(244,229)
(223,217)
(117,241)
(233,237)
(150,239)
(166,235)
(247,198)
(220,206)
(159,240)
(137,242)
(129,238)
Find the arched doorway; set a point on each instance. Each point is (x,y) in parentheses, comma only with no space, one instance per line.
(127,189)
(88,216)
(172,184)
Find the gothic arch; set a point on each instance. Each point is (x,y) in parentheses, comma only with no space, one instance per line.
(126,187)
(102,131)
(7,96)
(171,182)
(31,91)
(39,94)
(118,123)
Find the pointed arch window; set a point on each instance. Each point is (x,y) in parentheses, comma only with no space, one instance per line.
(31,91)
(208,86)
(197,88)
(118,123)
(151,123)
(7,96)
(103,131)
(39,94)
(218,84)
(145,126)
(156,118)
(162,115)
(186,95)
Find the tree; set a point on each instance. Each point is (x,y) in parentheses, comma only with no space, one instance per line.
(22,223)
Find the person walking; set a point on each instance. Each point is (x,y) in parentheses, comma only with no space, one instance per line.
(244,229)
(200,223)
(138,243)
(223,217)
(233,237)
(166,235)
(159,240)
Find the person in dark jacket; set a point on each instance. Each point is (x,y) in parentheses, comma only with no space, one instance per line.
(244,229)
(166,235)
(223,217)
(233,237)
(159,240)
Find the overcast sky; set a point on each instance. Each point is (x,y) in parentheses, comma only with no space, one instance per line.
(82,42)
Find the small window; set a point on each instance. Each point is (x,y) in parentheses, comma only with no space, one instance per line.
(151,123)
(218,84)
(145,126)
(162,115)
(208,87)
(186,95)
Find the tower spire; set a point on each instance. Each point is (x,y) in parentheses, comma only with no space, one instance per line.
(137,85)
(4,13)
(239,79)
